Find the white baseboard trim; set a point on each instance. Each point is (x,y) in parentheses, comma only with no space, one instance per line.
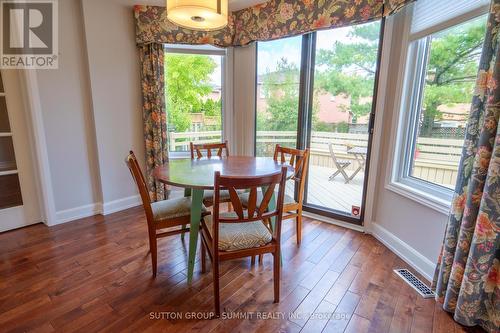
(333,221)
(97,208)
(76,213)
(121,204)
(411,256)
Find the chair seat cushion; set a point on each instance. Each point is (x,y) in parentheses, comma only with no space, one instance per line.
(209,195)
(239,236)
(288,200)
(173,208)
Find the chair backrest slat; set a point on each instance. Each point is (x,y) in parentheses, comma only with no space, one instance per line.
(198,149)
(252,201)
(140,181)
(299,160)
(255,210)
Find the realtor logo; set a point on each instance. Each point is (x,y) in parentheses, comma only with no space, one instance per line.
(28,33)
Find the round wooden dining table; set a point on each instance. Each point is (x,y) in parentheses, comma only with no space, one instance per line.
(197,175)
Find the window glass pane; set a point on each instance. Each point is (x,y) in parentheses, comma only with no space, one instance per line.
(7,157)
(452,65)
(10,191)
(344,79)
(4,118)
(278,79)
(194,99)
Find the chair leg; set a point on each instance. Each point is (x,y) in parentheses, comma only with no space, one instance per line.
(154,254)
(276,273)
(252,260)
(299,226)
(182,235)
(203,257)
(261,258)
(344,174)
(334,175)
(215,272)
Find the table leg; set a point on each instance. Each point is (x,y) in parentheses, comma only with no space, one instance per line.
(196,202)
(187,193)
(360,162)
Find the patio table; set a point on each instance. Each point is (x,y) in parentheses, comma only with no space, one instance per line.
(360,157)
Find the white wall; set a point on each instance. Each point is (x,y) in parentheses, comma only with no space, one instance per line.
(66,110)
(116,96)
(413,230)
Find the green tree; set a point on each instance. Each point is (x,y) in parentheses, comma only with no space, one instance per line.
(349,68)
(281,89)
(452,69)
(213,109)
(187,85)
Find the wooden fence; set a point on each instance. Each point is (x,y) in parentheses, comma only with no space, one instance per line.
(436,159)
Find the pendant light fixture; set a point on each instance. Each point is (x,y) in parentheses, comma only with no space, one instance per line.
(205,15)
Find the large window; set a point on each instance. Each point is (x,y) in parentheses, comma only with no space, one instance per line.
(194,96)
(442,67)
(278,78)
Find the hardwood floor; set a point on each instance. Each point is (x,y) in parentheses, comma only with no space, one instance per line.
(95,275)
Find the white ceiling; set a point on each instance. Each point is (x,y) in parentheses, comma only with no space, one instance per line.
(233,4)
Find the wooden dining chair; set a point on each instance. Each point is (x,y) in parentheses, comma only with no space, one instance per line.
(160,215)
(243,233)
(205,150)
(299,161)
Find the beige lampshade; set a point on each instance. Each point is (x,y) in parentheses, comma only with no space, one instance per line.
(204,15)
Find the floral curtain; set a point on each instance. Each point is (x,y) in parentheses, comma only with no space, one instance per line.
(154,114)
(270,20)
(284,18)
(467,279)
(152,26)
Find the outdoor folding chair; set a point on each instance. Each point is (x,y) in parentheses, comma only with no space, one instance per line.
(341,165)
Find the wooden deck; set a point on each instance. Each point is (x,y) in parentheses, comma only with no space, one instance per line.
(94,275)
(335,194)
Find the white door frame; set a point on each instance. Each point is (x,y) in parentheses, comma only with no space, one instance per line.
(33,109)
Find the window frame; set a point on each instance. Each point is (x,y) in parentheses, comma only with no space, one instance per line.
(204,50)
(433,195)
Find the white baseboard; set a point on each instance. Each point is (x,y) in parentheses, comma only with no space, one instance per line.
(97,208)
(121,204)
(411,256)
(76,213)
(333,221)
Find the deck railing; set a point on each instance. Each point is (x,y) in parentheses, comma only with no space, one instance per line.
(436,159)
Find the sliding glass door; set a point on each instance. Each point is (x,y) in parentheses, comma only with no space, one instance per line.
(326,104)
(344,82)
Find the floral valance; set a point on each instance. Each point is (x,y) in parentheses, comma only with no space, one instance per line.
(270,20)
